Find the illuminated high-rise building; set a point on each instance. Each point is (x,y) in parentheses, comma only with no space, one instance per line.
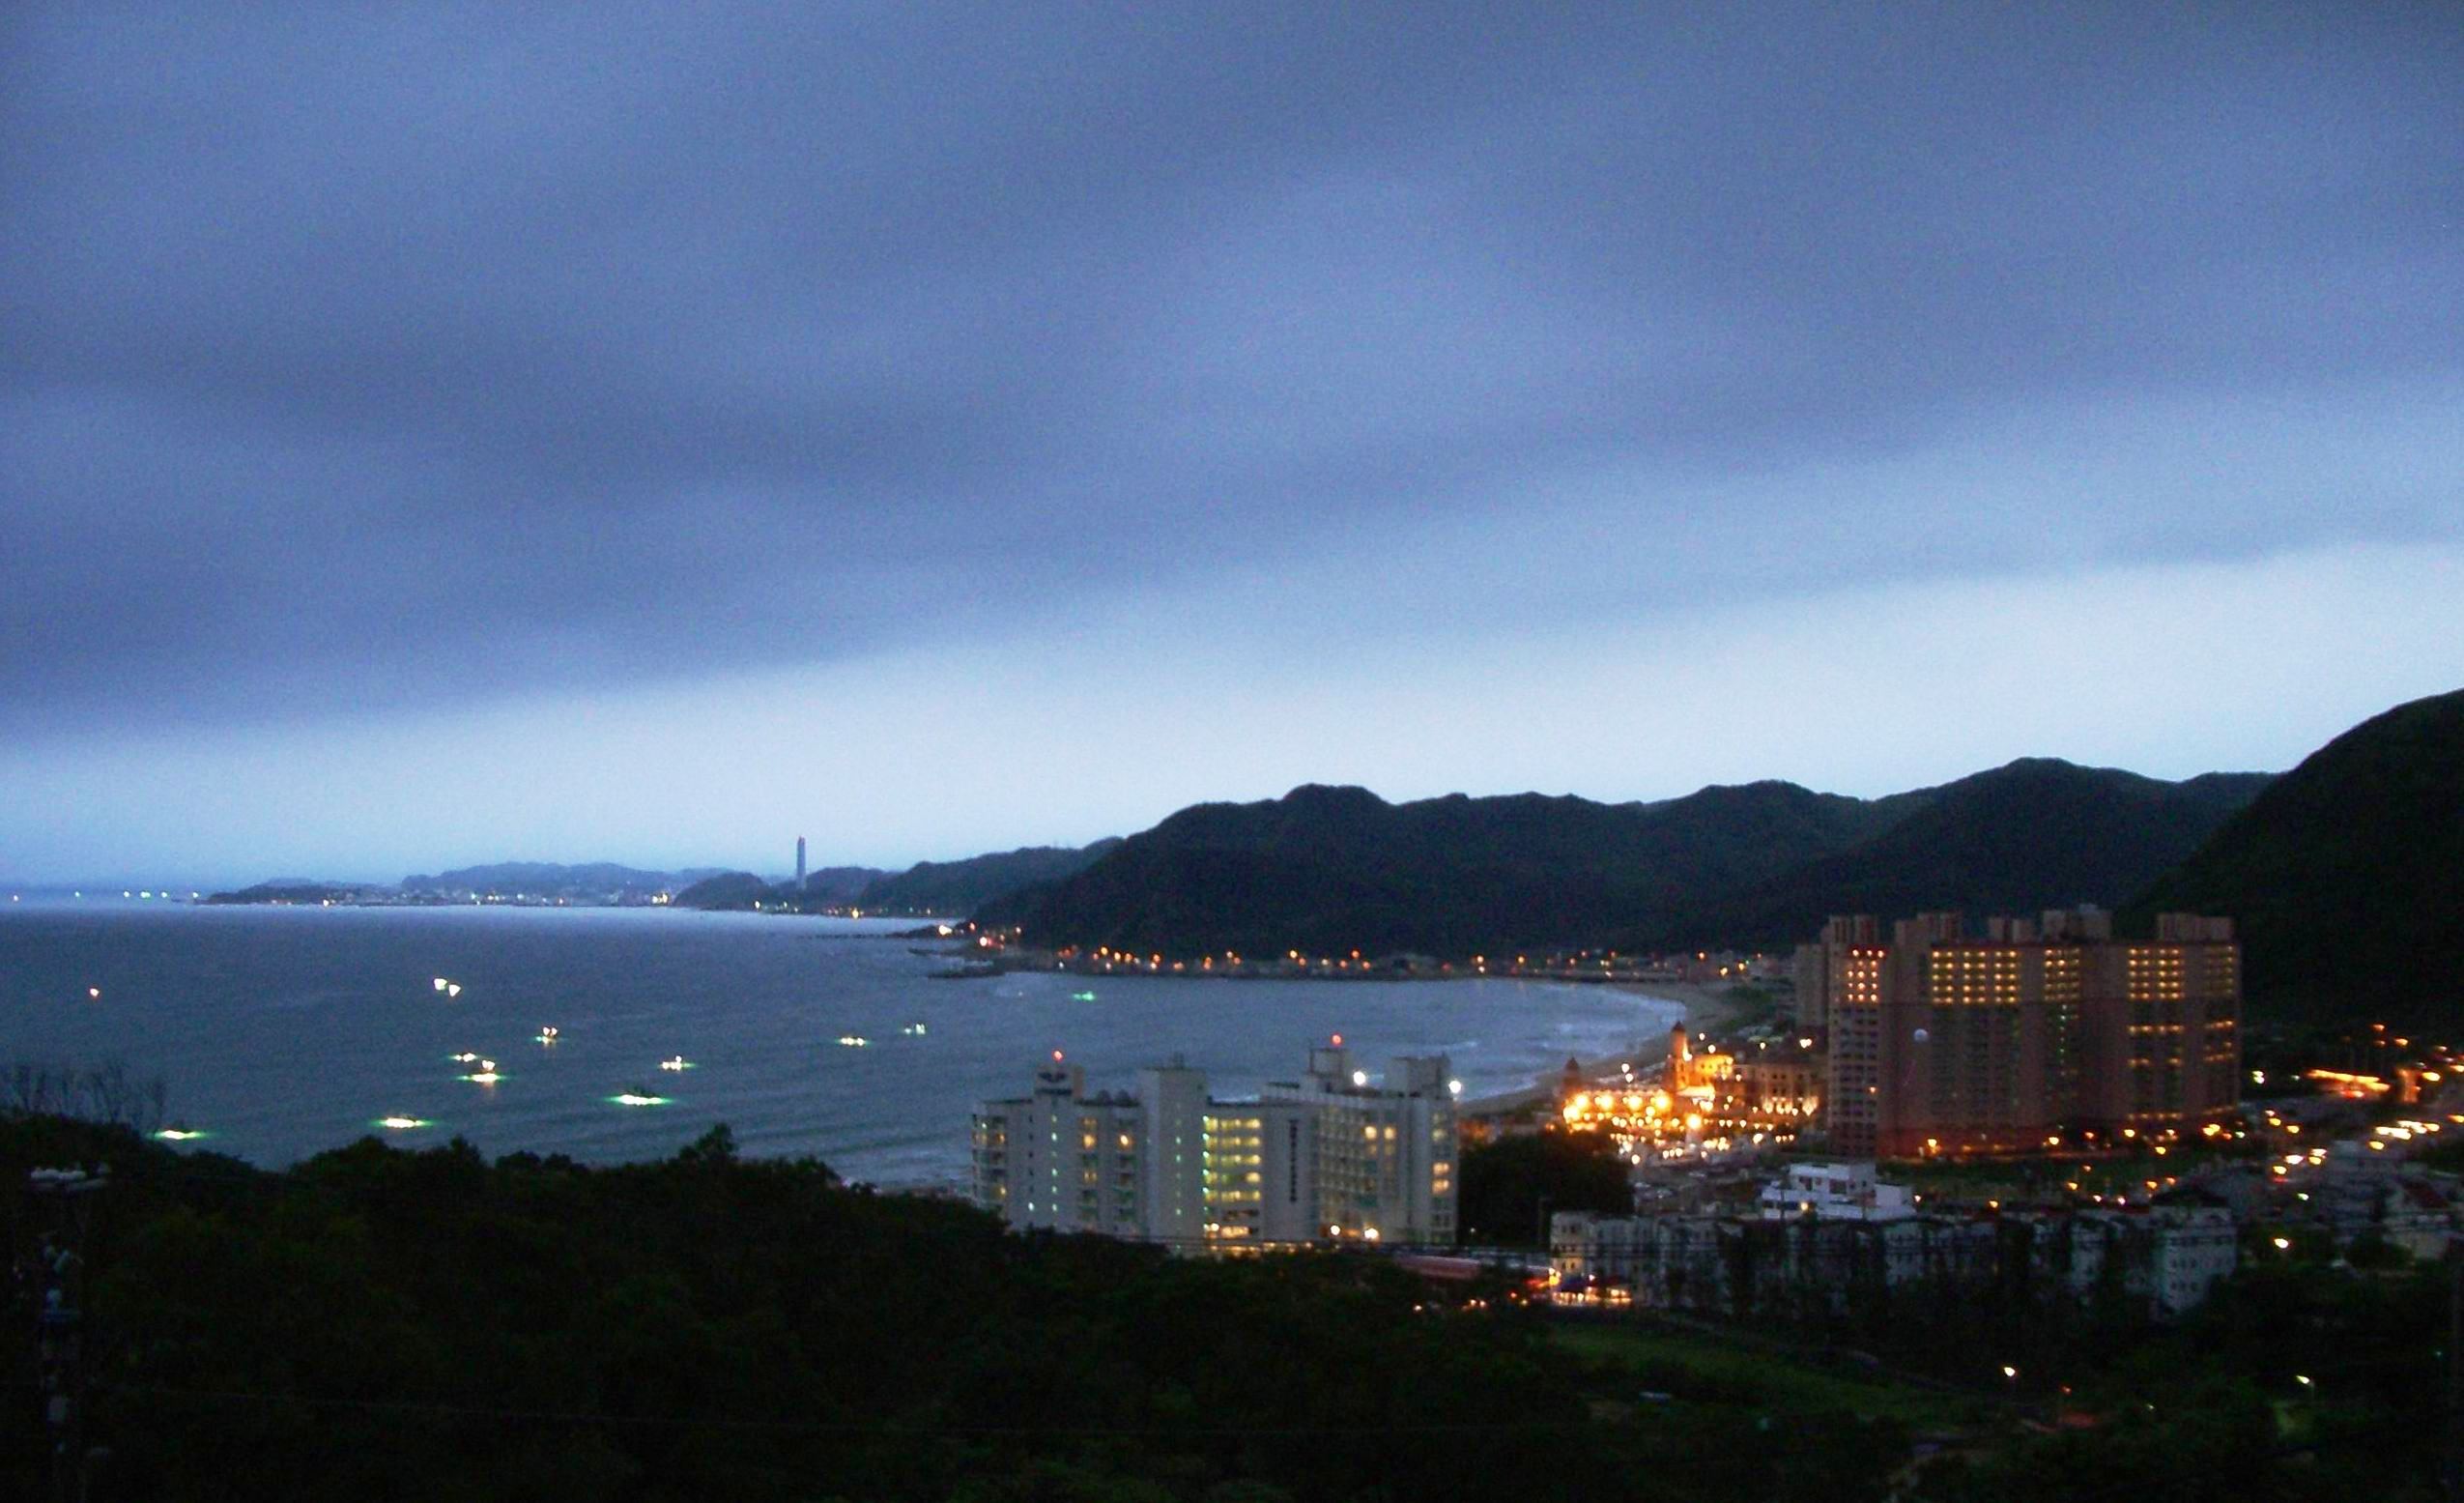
(1822,966)
(1944,1044)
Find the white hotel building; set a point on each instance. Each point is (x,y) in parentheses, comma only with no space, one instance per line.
(1323,1158)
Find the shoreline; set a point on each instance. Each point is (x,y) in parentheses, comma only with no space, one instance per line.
(1709,1011)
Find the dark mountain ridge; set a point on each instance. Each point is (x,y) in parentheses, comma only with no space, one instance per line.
(2036,833)
(960,888)
(549,876)
(1327,869)
(2346,874)
(836,885)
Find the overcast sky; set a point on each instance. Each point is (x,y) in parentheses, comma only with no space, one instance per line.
(443,434)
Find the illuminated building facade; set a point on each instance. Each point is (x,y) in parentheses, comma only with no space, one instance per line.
(1779,1089)
(1172,1177)
(1382,1160)
(1821,968)
(1258,1180)
(1707,1099)
(1060,1159)
(1323,1158)
(2166,1050)
(1942,1044)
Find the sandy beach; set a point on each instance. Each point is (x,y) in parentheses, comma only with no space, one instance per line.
(1708,1009)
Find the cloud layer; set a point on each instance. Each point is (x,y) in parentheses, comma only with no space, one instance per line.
(475,360)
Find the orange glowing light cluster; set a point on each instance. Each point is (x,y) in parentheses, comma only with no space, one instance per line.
(2340,1082)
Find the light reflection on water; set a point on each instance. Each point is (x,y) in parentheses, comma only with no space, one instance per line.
(285,1031)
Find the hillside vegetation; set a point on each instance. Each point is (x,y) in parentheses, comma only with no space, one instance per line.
(2347,874)
(959,888)
(1329,869)
(382,1325)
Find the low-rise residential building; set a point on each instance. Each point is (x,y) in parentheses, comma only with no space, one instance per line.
(1834,1192)
(2420,1217)
(2166,1258)
(2162,1259)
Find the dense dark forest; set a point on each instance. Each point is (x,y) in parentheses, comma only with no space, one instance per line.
(381,1324)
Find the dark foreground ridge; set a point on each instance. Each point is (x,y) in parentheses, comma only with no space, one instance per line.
(392,1324)
(377,1323)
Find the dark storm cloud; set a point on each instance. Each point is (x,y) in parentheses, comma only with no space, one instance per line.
(353,357)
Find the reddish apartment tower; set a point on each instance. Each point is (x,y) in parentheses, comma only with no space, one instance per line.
(1942,1044)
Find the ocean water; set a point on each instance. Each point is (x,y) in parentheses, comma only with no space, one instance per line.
(284,1031)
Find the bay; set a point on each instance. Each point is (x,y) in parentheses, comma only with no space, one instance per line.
(284,1031)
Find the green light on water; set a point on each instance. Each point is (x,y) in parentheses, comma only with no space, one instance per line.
(179,1134)
(401,1124)
(636,1099)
